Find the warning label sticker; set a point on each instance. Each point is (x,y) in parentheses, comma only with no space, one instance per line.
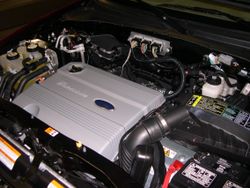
(230,184)
(208,104)
(199,174)
(243,119)
(237,116)
(8,154)
(55,184)
(222,109)
(52,132)
(169,153)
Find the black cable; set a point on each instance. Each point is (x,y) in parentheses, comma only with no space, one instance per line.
(154,78)
(182,74)
(164,60)
(80,179)
(158,166)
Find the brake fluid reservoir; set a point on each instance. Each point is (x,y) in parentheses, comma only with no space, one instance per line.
(213,87)
(11,62)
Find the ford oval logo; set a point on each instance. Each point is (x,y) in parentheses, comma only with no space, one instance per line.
(104,104)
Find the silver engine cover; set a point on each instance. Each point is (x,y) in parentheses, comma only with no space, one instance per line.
(67,102)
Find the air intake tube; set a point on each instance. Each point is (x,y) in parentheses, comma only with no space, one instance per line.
(148,132)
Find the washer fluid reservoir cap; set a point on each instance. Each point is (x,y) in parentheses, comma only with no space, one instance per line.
(32,47)
(214,80)
(12,55)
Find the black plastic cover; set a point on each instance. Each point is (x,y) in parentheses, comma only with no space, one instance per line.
(206,170)
(217,127)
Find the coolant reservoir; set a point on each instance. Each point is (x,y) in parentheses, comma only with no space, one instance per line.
(11,62)
(213,87)
(31,49)
(216,87)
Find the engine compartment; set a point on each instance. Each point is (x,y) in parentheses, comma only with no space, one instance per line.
(142,100)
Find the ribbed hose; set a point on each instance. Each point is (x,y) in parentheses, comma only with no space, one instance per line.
(140,136)
(7,90)
(4,81)
(223,74)
(148,132)
(10,85)
(34,65)
(29,77)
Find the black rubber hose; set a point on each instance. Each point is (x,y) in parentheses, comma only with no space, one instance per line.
(223,74)
(29,77)
(4,81)
(147,156)
(149,131)
(158,166)
(143,160)
(33,65)
(14,78)
(182,75)
(139,136)
(10,84)
(25,62)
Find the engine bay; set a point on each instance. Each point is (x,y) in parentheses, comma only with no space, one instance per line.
(166,111)
(90,105)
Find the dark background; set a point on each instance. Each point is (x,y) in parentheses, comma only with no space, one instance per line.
(16,13)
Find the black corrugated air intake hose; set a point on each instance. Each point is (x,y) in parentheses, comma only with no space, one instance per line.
(148,132)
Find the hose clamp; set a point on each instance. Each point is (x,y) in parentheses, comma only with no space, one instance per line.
(162,121)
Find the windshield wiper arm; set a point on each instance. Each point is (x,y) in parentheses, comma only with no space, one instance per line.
(206,11)
(166,20)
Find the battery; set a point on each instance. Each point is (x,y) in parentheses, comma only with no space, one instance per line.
(206,170)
